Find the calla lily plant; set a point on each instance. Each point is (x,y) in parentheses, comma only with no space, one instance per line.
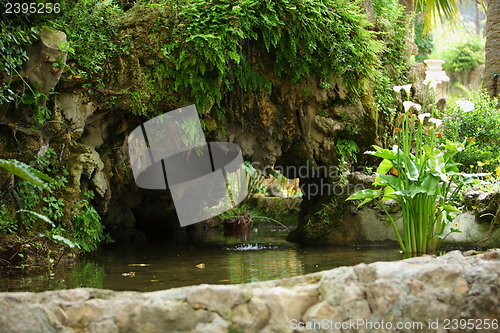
(425,180)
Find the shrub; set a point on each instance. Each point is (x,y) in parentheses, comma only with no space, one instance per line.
(462,55)
(425,43)
(87,228)
(392,23)
(478,127)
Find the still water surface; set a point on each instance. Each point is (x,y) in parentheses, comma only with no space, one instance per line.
(204,256)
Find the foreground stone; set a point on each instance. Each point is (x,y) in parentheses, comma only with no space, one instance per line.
(451,293)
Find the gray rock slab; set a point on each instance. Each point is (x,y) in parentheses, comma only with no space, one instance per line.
(450,293)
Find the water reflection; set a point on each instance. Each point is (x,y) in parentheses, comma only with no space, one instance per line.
(209,256)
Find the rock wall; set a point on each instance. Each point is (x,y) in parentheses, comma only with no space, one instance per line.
(291,124)
(333,220)
(451,293)
(370,226)
(471,79)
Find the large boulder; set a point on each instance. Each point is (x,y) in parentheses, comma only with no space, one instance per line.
(452,293)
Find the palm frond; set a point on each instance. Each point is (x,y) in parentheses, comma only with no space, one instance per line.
(433,9)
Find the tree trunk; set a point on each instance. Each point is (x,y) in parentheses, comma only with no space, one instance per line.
(492,49)
(408,4)
(370,12)
(477,24)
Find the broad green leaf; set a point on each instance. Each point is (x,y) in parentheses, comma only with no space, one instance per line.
(428,151)
(455,230)
(64,240)
(40,216)
(384,167)
(430,183)
(440,164)
(437,164)
(365,194)
(378,181)
(26,172)
(451,167)
(367,200)
(412,171)
(388,193)
(392,181)
(450,208)
(454,147)
(416,189)
(249,168)
(404,194)
(382,152)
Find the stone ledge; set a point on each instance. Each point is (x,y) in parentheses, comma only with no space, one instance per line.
(421,289)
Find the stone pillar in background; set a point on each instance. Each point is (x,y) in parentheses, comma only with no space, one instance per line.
(437,77)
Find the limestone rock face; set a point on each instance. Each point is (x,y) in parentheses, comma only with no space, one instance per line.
(290,124)
(46,60)
(86,161)
(298,124)
(421,294)
(76,108)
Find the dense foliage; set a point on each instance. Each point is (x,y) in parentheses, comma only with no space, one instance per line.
(425,43)
(91,29)
(32,176)
(204,49)
(210,52)
(12,38)
(476,124)
(463,54)
(41,198)
(393,23)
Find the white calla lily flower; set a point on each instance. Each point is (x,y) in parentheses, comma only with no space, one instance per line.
(422,116)
(397,88)
(406,87)
(408,104)
(438,122)
(465,105)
